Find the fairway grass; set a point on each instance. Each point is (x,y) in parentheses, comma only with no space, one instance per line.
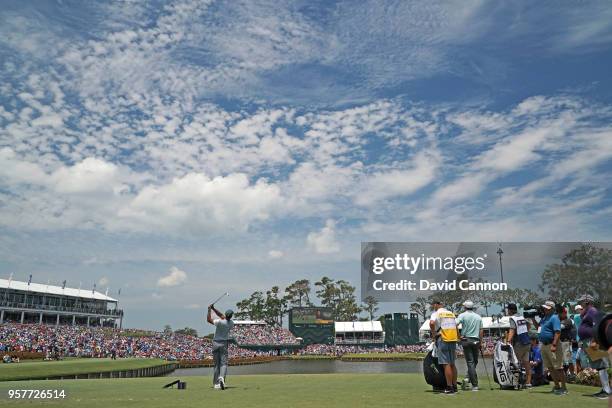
(298,390)
(38,369)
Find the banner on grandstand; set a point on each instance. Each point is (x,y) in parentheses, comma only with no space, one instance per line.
(404,271)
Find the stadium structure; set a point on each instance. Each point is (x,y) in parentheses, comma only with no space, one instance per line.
(316,325)
(25,302)
(359,333)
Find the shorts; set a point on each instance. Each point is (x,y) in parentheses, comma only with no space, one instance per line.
(552,361)
(446,352)
(522,354)
(566,349)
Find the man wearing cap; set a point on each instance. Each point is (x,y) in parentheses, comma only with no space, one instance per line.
(552,354)
(223,326)
(444,327)
(590,316)
(518,337)
(471,335)
(577,357)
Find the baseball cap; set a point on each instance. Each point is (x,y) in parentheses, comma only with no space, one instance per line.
(586,299)
(511,306)
(468,304)
(229,313)
(578,307)
(549,304)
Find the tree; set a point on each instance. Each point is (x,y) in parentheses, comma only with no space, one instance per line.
(583,270)
(528,297)
(370,305)
(167,329)
(340,297)
(187,331)
(298,293)
(274,307)
(420,306)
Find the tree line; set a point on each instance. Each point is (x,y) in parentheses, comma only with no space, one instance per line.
(587,269)
(273,305)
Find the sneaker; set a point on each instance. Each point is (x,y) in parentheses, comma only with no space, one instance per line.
(221,383)
(475,389)
(554,390)
(217,387)
(450,391)
(528,386)
(602,395)
(598,393)
(561,391)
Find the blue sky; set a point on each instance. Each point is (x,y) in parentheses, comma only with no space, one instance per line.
(179,150)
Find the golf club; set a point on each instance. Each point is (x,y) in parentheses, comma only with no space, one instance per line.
(220,297)
(485,367)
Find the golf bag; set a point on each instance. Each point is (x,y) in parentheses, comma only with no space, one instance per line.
(507,371)
(434,372)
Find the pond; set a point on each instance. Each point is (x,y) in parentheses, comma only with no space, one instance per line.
(328,367)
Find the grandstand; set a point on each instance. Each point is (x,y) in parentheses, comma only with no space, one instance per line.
(259,335)
(26,302)
(364,333)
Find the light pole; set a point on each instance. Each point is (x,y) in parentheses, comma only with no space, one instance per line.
(501,268)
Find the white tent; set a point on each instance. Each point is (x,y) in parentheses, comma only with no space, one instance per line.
(358,327)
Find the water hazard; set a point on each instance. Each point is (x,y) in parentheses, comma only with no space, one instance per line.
(328,367)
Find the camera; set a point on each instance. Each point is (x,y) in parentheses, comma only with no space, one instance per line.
(533,311)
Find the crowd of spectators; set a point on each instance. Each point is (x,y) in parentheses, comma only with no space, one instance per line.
(259,334)
(96,342)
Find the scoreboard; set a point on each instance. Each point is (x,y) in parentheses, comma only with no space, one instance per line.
(312,324)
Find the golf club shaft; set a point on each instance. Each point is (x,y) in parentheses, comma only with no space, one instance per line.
(220,297)
(485,367)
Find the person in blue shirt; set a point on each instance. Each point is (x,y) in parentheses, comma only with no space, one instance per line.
(550,346)
(535,362)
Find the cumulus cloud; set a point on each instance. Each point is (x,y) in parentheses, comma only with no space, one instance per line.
(197,203)
(324,241)
(176,277)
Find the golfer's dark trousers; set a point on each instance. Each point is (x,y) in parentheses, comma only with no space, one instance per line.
(470,351)
(219,352)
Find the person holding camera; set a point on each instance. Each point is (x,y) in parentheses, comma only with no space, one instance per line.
(471,335)
(552,353)
(590,315)
(518,337)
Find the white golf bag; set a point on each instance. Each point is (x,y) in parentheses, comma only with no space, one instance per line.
(507,371)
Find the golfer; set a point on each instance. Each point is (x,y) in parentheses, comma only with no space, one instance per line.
(223,326)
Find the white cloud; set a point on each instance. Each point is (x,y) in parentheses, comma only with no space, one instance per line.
(87,176)
(396,183)
(197,203)
(275,254)
(175,278)
(324,241)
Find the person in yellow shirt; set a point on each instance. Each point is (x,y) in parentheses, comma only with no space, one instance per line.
(443,326)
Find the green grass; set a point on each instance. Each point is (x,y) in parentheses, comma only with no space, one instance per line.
(37,369)
(385,356)
(312,357)
(318,390)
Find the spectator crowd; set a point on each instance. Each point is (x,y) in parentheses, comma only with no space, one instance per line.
(261,334)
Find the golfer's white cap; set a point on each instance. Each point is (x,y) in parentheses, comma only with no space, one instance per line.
(578,307)
(468,304)
(549,304)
